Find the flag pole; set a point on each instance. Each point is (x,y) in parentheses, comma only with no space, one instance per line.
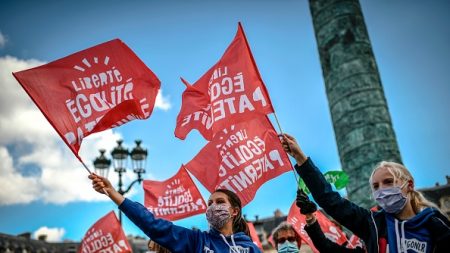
(90,172)
(281,133)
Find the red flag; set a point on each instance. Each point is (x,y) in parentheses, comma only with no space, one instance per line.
(92,90)
(298,222)
(241,158)
(354,242)
(106,235)
(331,230)
(229,92)
(254,235)
(175,198)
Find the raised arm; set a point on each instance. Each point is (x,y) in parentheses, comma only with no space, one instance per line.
(165,233)
(355,218)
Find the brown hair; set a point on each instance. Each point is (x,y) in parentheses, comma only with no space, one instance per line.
(285,226)
(239,224)
(152,245)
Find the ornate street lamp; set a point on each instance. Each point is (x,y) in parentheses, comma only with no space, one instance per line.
(120,156)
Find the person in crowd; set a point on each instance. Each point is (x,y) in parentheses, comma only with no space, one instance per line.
(153,247)
(286,239)
(228,230)
(312,227)
(407,222)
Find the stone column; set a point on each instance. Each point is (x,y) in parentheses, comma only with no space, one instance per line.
(361,120)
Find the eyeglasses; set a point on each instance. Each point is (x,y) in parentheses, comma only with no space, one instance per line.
(283,239)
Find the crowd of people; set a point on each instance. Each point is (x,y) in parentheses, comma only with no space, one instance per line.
(404,222)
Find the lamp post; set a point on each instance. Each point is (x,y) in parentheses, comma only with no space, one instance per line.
(120,156)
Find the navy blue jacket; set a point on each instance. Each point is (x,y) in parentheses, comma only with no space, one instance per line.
(323,244)
(370,226)
(180,239)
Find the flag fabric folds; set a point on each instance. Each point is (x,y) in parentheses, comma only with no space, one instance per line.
(229,92)
(241,158)
(254,236)
(331,230)
(174,198)
(92,90)
(106,235)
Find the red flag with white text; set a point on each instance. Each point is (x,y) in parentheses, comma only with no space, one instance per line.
(331,230)
(175,198)
(229,92)
(92,90)
(106,235)
(354,242)
(298,221)
(241,158)
(254,235)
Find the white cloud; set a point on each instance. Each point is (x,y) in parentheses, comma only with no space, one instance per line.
(52,234)
(2,40)
(36,164)
(162,102)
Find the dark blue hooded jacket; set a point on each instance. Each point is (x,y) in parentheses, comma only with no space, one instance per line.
(429,229)
(180,239)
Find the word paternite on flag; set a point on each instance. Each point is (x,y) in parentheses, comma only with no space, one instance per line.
(229,92)
(241,158)
(92,90)
(106,235)
(175,198)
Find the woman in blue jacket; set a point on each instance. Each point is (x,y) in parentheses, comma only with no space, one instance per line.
(407,221)
(228,230)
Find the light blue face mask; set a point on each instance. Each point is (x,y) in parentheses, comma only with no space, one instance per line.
(391,199)
(288,247)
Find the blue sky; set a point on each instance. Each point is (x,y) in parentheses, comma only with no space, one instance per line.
(45,189)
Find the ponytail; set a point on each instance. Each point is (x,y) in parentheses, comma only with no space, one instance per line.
(240,225)
(400,172)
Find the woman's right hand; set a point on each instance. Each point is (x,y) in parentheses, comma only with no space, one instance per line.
(100,184)
(291,147)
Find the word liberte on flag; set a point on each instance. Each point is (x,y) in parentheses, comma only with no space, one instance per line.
(92,90)
(229,92)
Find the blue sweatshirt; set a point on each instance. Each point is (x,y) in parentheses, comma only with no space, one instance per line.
(429,227)
(410,235)
(180,239)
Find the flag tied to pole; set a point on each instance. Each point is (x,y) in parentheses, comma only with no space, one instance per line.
(106,235)
(92,90)
(241,158)
(175,198)
(230,92)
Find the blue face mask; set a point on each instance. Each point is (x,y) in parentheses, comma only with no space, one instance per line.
(390,199)
(288,247)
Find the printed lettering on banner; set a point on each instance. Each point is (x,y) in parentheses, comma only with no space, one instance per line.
(106,235)
(241,158)
(92,90)
(229,92)
(175,198)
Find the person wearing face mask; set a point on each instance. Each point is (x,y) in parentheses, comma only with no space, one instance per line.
(286,239)
(228,231)
(407,222)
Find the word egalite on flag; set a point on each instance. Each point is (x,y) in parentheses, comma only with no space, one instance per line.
(92,90)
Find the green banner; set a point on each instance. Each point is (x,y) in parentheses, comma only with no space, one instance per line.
(338,178)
